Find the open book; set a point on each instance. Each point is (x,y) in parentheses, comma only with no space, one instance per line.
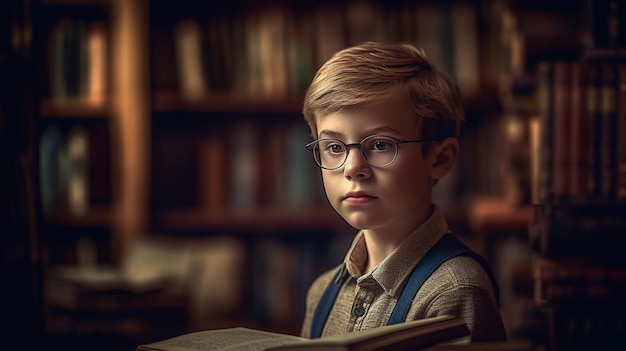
(404,336)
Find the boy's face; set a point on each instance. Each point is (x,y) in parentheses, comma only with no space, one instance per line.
(397,197)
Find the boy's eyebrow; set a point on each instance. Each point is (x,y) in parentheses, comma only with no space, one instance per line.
(378,130)
(329,134)
(384,129)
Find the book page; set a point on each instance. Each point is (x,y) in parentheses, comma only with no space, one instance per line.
(232,339)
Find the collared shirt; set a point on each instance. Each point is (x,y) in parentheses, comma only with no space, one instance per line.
(459,287)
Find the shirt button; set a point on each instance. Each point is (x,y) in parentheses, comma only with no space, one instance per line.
(359,311)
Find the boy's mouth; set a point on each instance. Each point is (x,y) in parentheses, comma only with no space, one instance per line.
(357,197)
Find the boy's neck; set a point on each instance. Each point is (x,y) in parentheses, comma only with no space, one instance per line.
(381,243)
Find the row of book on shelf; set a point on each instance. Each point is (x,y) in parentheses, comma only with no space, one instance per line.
(273,52)
(578,280)
(578,169)
(579,156)
(579,136)
(78,63)
(247,165)
(584,297)
(69,179)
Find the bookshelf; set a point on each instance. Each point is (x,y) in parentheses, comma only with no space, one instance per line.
(569,100)
(230,78)
(199,101)
(75,129)
(21,264)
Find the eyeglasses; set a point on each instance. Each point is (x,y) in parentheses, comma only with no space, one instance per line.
(377,150)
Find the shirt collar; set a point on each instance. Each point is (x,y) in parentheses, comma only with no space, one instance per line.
(392,272)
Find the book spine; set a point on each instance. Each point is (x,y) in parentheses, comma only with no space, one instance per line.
(58,71)
(621,136)
(608,113)
(466,48)
(544,100)
(50,147)
(212,169)
(78,175)
(274,177)
(578,142)
(189,49)
(593,131)
(300,168)
(244,167)
(300,51)
(97,64)
(561,120)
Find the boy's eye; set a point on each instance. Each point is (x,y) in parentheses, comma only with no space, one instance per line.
(335,148)
(381,145)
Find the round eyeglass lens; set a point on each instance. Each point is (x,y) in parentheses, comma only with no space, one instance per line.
(379,151)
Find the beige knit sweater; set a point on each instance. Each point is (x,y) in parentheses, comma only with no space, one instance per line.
(459,287)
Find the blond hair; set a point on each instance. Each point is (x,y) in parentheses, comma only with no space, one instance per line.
(372,72)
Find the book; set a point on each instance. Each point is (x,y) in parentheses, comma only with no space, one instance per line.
(578,132)
(593,130)
(620,176)
(50,149)
(244,166)
(561,119)
(78,141)
(608,127)
(190,58)
(466,57)
(545,116)
(96,92)
(403,336)
(212,168)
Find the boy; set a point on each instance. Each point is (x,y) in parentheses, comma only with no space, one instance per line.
(386,124)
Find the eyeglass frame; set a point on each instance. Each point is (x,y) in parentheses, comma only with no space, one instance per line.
(311,146)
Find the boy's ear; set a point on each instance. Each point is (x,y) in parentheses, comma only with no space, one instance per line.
(445,155)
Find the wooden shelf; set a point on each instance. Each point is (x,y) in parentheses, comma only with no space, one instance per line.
(73,110)
(492,216)
(75,2)
(95,216)
(254,220)
(173,101)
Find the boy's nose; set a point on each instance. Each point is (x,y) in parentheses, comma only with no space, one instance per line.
(355,165)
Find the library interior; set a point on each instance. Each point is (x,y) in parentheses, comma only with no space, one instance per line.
(154,179)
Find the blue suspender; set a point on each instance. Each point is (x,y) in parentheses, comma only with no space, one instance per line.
(446,248)
(324,306)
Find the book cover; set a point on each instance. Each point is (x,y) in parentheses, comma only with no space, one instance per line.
(403,336)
